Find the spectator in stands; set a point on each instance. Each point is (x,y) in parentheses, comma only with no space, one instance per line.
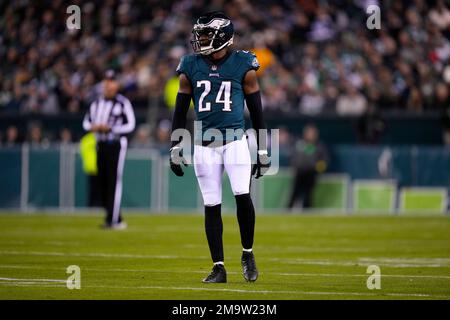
(35,137)
(310,158)
(442,96)
(46,69)
(12,136)
(440,16)
(285,145)
(312,102)
(162,135)
(65,136)
(142,138)
(351,103)
(370,126)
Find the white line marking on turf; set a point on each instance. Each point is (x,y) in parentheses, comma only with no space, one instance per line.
(299,292)
(395,263)
(97,254)
(33,280)
(431,263)
(293,274)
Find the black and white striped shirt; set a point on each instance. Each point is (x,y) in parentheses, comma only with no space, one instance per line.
(117,113)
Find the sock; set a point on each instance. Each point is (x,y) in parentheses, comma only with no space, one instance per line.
(214,230)
(247,250)
(246,219)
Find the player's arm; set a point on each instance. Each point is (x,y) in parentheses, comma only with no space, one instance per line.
(182,103)
(87,121)
(254,105)
(253,99)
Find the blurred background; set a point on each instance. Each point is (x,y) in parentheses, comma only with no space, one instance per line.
(366,113)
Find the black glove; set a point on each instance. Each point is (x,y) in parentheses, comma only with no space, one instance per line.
(176,159)
(262,164)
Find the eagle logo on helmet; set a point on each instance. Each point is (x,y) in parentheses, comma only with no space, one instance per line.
(212,32)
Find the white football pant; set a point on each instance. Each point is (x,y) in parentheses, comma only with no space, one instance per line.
(209,163)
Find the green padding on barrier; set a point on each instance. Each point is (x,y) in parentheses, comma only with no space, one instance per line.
(11,164)
(137,183)
(81,183)
(276,190)
(136,188)
(373,196)
(43,178)
(415,200)
(183,191)
(330,193)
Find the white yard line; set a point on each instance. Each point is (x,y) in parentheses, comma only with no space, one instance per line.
(96,254)
(288,274)
(388,262)
(405,263)
(32,280)
(28,282)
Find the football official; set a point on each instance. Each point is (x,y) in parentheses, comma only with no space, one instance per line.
(111,118)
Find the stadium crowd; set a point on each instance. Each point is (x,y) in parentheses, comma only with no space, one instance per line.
(316,56)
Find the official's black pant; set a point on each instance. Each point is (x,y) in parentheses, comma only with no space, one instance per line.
(303,186)
(94,198)
(110,163)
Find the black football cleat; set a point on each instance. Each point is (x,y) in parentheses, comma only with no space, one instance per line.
(249,266)
(217,275)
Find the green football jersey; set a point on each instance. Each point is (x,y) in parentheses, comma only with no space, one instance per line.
(218,88)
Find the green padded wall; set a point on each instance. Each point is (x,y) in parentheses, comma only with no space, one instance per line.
(426,200)
(81,183)
(11,165)
(275,190)
(331,192)
(183,193)
(137,183)
(374,195)
(43,177)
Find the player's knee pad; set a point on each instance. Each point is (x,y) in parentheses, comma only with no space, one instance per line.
(240,188)
(211,199)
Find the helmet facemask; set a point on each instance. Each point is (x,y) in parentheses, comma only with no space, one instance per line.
(212,36)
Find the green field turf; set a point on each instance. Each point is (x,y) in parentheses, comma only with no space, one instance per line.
(166,256)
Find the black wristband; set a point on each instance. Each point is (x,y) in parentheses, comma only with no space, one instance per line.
(179,116)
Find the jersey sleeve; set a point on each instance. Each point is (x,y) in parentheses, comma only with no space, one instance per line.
(252,62)
(183,66)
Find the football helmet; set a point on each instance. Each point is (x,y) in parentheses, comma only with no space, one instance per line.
(212,32)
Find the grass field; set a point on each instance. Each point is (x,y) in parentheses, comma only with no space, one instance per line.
(166,256)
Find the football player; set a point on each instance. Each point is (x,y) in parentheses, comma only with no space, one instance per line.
(218,80)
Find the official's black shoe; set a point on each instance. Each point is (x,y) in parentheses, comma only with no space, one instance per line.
(249,266)
(217,275)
